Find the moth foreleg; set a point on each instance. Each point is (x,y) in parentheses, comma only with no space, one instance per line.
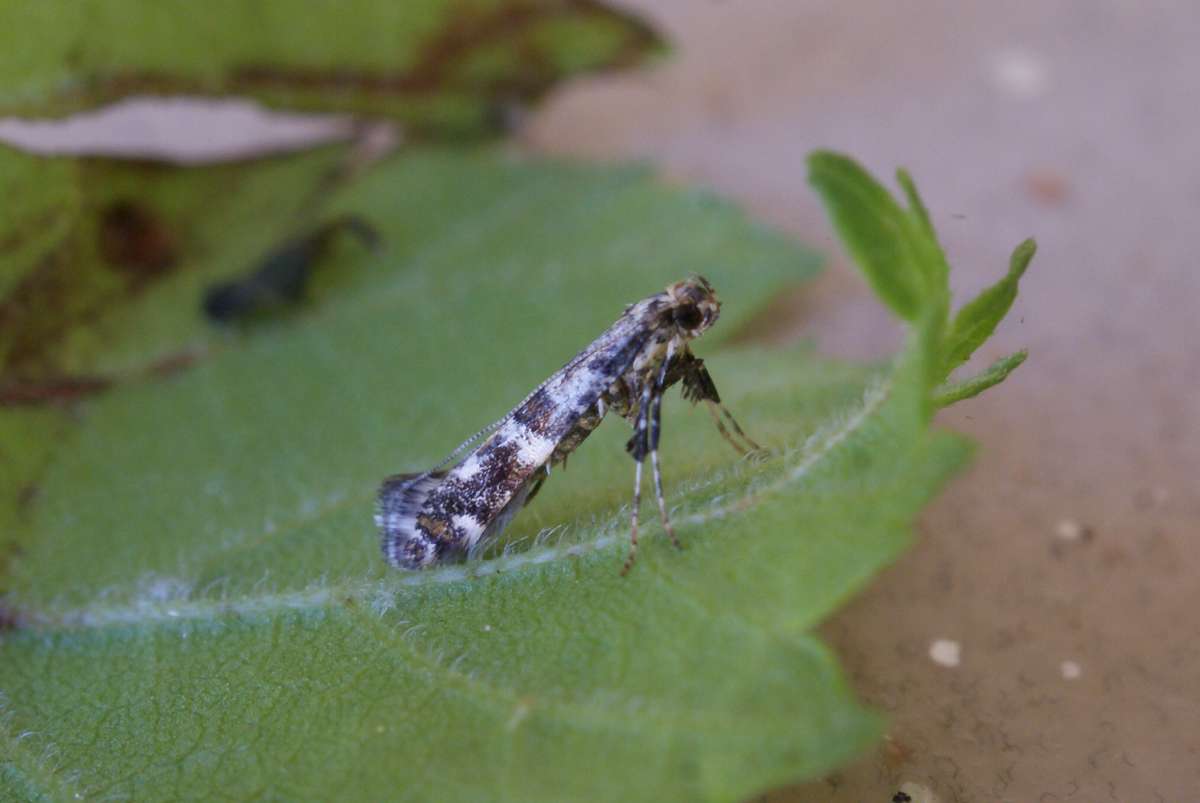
(537,486)
(660,387)
(655,431)
(637,447)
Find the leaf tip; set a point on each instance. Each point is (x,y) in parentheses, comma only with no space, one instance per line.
(1022,255)
(823,163)
(916,205)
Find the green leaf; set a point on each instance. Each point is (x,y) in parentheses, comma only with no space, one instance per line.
(39,203)
(899,253)
(977,319)
(997,372)
(441,67)
(896,249)
(196,605)
(932,259)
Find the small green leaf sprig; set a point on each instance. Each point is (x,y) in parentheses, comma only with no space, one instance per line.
(898,251)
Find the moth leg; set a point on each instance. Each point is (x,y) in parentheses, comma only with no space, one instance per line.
(637,447)
(537,486)
(754,447)
(655,431)
(633,529)
(713,407)
(698,385)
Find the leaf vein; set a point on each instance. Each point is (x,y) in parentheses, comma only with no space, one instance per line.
(382,595)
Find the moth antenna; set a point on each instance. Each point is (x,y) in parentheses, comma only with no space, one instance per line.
(495,425)
(488,430)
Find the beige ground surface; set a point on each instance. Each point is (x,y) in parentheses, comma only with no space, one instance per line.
(1072,547)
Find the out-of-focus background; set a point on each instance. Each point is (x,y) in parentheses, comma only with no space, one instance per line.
(1041,641)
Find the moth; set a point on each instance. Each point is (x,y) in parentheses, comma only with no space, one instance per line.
(445,513)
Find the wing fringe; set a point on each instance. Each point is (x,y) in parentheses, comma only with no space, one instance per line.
(400,500)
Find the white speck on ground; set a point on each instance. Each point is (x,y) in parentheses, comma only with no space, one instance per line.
(945,652)
(918,793)
(1070,670)
(1020,74)
(1069,530)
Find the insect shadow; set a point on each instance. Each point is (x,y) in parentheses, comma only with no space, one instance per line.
(282,278)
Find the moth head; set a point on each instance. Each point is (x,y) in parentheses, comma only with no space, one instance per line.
(693,305)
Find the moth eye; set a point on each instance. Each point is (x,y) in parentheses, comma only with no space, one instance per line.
(688,316)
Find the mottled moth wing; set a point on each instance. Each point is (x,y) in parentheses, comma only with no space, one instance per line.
(429,517)
(400,497)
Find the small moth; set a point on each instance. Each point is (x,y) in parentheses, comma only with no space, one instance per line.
(445,513)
